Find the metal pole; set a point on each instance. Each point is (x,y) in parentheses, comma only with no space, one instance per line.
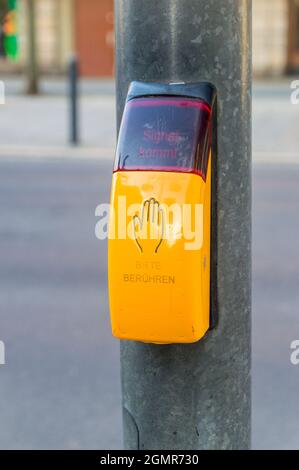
(32,69)
(197,396)
(73,94)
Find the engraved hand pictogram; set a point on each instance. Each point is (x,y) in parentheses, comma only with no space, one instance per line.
(149,226)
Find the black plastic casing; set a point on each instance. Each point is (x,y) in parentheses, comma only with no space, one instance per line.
(203,90)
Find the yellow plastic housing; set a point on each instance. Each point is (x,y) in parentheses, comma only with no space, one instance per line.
(159,290)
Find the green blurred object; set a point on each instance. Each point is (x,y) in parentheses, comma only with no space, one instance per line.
(11,46)
(10,30)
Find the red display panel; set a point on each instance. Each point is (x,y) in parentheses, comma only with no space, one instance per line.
(165,134)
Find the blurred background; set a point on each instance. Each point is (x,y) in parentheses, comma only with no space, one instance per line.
(60,387)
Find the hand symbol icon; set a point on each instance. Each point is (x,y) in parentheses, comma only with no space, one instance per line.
(149,227)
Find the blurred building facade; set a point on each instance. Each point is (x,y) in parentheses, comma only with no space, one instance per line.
(87,28)
(275,37)
(64,27)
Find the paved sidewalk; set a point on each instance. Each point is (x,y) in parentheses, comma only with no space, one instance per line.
(275,124)
(39,126)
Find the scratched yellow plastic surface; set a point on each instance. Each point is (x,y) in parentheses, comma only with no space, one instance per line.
(159,291)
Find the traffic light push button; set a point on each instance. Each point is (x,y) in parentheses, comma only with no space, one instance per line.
(159,268)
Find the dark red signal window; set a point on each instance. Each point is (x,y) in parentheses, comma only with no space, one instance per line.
(165,134)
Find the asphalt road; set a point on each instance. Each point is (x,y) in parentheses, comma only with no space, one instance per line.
(60,386)
(275,306)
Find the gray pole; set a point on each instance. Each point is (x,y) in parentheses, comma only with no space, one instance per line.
(32,67)
(73,99)
(197,396)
